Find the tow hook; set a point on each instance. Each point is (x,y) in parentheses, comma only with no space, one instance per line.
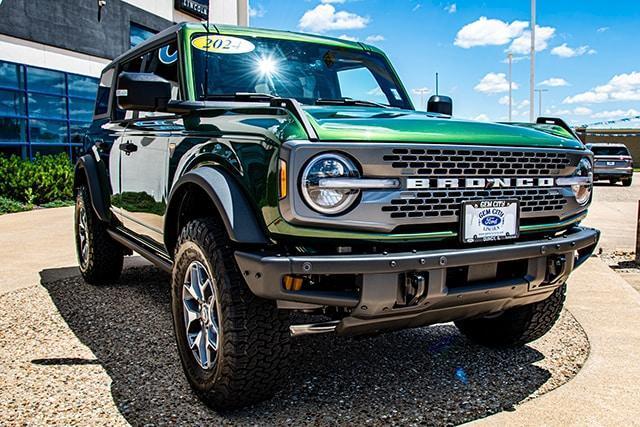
(556,269)
(414,289)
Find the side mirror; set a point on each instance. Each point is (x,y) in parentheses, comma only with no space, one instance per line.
(143,92)
(440,104)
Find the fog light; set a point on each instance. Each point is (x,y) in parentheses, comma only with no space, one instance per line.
(292,283)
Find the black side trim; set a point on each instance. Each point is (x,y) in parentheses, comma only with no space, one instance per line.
(235,210)
(155,257)
(88,166)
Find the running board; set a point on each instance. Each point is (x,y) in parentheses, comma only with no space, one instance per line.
(150,255)
(313,328)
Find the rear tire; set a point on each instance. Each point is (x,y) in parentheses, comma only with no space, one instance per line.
(246,338)
(99,256)
(627,182)
(516,326)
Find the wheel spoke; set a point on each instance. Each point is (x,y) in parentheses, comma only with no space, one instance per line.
(189,293)
(191,314)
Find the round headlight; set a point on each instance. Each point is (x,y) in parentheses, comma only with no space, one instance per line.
(582,191)
(328,200)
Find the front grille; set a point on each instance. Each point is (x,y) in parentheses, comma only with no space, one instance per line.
(447,203)
(466,162)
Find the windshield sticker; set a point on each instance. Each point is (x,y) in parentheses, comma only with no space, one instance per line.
(167,57)
(222,44)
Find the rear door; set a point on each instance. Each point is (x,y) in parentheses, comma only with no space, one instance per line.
(144,155)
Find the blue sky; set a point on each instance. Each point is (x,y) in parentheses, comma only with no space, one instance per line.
(588,51)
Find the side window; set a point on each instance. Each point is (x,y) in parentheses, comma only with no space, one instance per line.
(163,62)
(104,88)
(131,66)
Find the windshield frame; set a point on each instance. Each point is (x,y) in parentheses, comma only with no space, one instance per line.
(192,73)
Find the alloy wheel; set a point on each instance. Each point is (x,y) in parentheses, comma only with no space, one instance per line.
(201,317)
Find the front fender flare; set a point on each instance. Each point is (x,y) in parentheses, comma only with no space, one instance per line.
(234,208)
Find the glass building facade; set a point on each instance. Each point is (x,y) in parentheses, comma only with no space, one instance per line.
(43,111)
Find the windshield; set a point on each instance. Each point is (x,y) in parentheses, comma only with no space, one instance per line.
(308,72)
(609,151)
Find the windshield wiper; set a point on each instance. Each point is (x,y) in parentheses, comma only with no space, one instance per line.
(240,96)
(349,101)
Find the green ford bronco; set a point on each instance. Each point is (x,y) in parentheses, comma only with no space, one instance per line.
(274,173)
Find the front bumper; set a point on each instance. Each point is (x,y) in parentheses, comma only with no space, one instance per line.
(374,306)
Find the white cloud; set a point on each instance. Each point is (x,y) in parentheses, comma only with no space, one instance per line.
(504,100)
(375,38)
(482,118)
(324,17)
(554,82)
(257,12)
(485,32)
(614,114)
(602,29)
(376,91)
(348,37)
(494,83)
(522,44)
(452,8)
(621,87)
(565,51)
(582,111)
(515,59)
(332,1)
(421,91)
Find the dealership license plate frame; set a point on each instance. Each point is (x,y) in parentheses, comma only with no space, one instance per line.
(477,205)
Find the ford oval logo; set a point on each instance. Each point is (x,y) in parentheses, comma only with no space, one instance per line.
(491,220)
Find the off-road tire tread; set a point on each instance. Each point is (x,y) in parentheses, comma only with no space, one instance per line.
(255,333)
(106,256)
(516,326)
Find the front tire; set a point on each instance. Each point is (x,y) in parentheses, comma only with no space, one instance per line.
(99,256)
(233,345)
(516,326)
(627,182)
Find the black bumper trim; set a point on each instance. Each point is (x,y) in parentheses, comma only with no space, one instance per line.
(264,272)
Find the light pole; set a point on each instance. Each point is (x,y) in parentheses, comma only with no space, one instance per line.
(510,57)
(532,77)
(540,99)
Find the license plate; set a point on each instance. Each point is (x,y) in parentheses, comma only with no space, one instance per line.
(611,163)
(488,220)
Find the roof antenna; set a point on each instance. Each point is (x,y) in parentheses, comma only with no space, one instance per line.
(437,91)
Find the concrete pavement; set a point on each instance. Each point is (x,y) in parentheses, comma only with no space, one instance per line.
(33,241)
(606,390)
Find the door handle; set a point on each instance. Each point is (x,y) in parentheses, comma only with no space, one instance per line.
(128,147)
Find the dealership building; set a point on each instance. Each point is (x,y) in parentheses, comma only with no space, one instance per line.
(52,52)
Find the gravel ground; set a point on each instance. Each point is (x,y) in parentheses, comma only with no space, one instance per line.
(72,354)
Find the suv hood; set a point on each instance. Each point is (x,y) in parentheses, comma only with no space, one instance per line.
(390,125)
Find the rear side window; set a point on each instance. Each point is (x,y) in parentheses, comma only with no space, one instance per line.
(610,151)
(163,62)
